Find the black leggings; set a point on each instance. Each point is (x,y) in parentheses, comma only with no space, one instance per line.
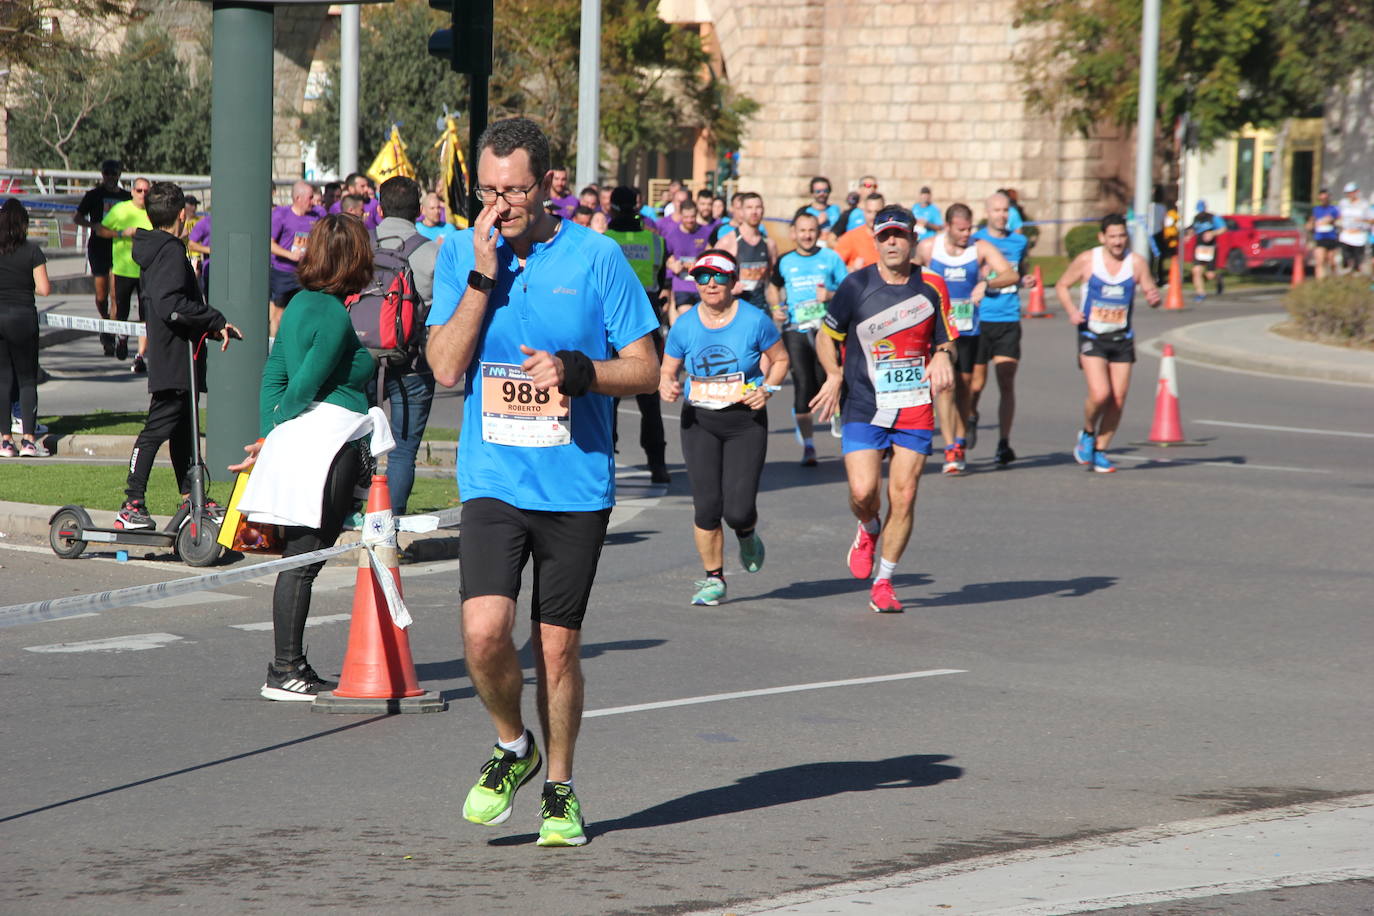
(807,374)
(291,597)
(169,420)
(124,289)
(19,362)
(725,451)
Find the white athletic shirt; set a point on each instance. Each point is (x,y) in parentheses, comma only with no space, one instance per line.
(1355,216)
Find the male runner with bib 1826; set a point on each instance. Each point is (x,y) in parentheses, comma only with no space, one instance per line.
(899,349)
(970,269)
(1106,341)
(546,323)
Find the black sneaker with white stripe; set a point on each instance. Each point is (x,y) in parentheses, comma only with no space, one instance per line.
(299,683)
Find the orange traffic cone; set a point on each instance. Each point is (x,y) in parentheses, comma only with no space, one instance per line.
(378,673)
(1036,309)
(1299,268)
(1174,300)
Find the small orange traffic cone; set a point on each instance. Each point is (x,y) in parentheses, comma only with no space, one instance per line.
(1299,268)
(1036,309)
(378,672)
(1174,300)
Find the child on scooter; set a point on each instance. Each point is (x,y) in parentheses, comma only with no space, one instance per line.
(169,287)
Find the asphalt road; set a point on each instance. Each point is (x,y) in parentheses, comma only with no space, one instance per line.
(1080,654)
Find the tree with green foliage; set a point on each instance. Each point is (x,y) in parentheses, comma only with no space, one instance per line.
(656,85)
(77,106)
(1223,63)
(28,37)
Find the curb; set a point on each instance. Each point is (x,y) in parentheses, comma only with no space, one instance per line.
(1197,342)
(89,445)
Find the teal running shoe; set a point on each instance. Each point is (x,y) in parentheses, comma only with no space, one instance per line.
(1102,464)
(709,591)
(562,817)
(489,802)
(1084,447)
(751,553)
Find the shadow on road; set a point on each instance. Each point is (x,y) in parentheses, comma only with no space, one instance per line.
(191,769)
(457,667)
(1015,590)
(829,588)
(780,787)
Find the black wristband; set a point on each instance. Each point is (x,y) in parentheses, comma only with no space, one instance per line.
(578,373)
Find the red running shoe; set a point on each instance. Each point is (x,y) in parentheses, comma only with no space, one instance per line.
(881,598)
(861,554)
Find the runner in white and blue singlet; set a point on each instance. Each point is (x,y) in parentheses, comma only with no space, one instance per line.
(969,268)
(1110,275)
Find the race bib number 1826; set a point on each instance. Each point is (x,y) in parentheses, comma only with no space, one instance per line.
(901,383)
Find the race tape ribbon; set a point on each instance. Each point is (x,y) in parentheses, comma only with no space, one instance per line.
(95,325)
(379,530)
(56,608)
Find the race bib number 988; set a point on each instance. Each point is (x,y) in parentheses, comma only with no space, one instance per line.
(514,412)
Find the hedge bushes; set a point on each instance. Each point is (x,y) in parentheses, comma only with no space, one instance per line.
(1079,239)
(1337,309)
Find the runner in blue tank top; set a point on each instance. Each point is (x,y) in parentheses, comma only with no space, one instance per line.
(999,337)
(1110,274)
(969,268)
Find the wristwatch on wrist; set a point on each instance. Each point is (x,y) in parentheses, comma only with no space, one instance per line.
(480,281)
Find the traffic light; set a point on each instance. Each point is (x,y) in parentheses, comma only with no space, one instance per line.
(466,45)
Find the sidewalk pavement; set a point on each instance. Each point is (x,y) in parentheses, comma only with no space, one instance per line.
(1249,343)
(1203,859)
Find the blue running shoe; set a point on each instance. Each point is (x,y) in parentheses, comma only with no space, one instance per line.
(1102,464)
(1084,448)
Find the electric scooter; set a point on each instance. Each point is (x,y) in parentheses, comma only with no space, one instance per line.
(193,532)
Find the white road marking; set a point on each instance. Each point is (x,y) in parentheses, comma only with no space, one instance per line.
(1317,843)
(135,643)
(1287,429)
(309,621)
(766,691)
(1220,464)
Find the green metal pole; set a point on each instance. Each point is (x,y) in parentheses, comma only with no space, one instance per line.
(241,174)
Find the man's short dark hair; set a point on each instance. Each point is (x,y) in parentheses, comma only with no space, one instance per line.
(805,213)
(335,186)
(352,178)
(750,195)
(350,202)
(925,189)
(400,197)
(876,196)
(1112,219)
(111,167)
(580,210)
(688,204)
(736,197)
(706,193)
(590,189)
(819,178)
(507,136)
(192,200)
(958,210)
(164,204)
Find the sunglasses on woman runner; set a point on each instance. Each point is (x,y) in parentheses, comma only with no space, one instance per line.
(704,278)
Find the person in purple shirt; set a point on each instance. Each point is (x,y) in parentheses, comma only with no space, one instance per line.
(562,201)
(291,224)
(684,238)
(198,242)
(360,185)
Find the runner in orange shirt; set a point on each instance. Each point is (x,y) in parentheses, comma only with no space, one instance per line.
(856,246)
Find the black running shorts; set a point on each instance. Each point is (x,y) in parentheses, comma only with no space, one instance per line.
(1120,350)
(497,540)
(965,353)
(998,338)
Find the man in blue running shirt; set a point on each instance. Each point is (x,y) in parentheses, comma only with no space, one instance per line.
(1000,339)
(826,213)
(545,323)
(928,221)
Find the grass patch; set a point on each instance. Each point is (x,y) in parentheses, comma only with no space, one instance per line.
(1052,267)
(130,423)
(102,487)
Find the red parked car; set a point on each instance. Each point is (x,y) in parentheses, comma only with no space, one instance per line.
(1255,242)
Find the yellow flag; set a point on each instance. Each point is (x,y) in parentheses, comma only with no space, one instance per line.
(391,159)
(453,170)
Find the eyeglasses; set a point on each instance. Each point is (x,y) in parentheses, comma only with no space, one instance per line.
(706,277)
(512,196)
(819,191)
(140,190)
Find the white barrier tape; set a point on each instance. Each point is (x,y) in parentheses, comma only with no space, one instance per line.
(56,608)
(95,325)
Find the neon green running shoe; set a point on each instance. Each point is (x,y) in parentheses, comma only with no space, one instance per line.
(709,591)
(489,802)
(751,553)
(562,817)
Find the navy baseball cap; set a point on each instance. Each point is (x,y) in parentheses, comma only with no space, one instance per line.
(893,217)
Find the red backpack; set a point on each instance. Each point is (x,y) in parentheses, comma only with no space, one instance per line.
(388,314)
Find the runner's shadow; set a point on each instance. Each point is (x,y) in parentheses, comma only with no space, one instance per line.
(1166,462)
(988,592)
(829,588)
(456,668)
(615,538)
(783,786)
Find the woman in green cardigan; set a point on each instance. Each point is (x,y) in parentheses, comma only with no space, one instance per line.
(314,388)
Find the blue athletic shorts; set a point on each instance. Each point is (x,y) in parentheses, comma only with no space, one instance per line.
(856,437)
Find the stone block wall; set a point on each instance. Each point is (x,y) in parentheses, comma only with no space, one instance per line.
(915,93)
